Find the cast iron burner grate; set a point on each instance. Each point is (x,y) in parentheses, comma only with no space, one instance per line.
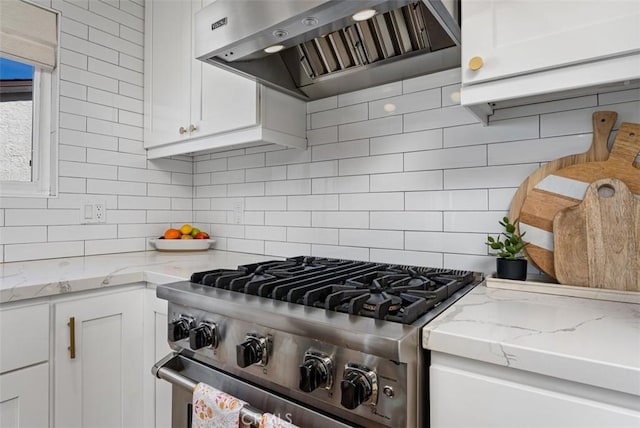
(376,290)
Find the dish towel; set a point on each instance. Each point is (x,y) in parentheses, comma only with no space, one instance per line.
(272,421)
(215,409)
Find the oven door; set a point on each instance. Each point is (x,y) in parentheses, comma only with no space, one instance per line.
(185,373)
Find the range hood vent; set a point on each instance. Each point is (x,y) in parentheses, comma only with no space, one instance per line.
(324,51)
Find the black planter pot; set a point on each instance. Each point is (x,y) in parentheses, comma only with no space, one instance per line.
(512,269)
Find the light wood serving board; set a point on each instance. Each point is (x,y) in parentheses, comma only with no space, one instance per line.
(566,187)
(603,122)
(597,242)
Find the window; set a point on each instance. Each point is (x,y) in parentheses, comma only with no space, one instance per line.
(28,100)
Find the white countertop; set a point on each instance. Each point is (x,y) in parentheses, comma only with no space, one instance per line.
(26,280)
(589,341)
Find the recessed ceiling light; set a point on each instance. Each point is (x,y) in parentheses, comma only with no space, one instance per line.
(274,49)
(363,15)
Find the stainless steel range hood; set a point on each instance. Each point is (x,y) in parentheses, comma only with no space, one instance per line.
(325,51)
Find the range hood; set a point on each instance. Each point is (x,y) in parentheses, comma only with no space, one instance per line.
(323,50)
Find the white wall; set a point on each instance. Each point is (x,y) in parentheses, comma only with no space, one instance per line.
(101,153)
(423,184)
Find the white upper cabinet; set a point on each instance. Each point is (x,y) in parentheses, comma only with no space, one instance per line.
(191,106)
(517,49)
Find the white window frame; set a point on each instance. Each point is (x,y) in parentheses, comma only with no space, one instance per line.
(44,157)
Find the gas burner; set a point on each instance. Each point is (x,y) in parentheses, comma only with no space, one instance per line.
(375,290)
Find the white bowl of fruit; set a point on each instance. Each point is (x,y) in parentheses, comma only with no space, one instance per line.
(187,238)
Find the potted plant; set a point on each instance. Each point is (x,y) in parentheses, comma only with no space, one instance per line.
(508,246)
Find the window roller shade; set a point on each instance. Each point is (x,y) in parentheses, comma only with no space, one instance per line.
(28,33)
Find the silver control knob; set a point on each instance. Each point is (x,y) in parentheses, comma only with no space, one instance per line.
(316,371)
(254,350)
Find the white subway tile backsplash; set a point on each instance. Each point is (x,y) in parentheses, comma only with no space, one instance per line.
(458,157)
(349,149)
(172,190)
(87,170)
(247,161)
(82,232)
(470,221)
(487,177)
(619,97)
(352,184)
(322,135)
(143,203)
(72,153)
(268,203)
(249,217)
(115,158)
(266,174)
(416,258)
(245,189)
(500,199)
(450,95)
(341,219)
(417,101)
(148,230)
(22,234)
(161,216)
(312,235)
(46,250)
(322,104)
(446,242)
(111,128)
(447,200)
(288,187)
(245,246)
(370,94)
(211,191)
(286,218)
(143,175)
(286,249)
(206,217)
(121,45)
(83,77)
(228,177)
(538,150)
(372,238)
(128,90)
(372,202)
(312,203)
(211,165)
(110,246)
(114,100)
(72,185)
(269,233)
(438,118)
(73,90)
(124,18)
(126,216)
(201,179)
(371,164)
(503,130)
(116,187)
(73,59)
(289,156)
(406,181)
(74,201)
(74,28)
(370,128)
(485,264)
(121,73)
(334,251)
(72,121)
(354,113)
(408,142)
(312,170)
(579,121)
(406,220)
(84,139)
(228,153)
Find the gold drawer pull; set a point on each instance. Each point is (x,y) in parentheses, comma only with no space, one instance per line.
(72,337)
(476,63)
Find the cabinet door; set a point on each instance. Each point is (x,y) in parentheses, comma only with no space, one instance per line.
(461,399)
(517,37)
(220,100)
(24,398)
(157,392)
(168,57)
(102,385)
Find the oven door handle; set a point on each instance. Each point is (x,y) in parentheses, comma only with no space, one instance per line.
(169,368)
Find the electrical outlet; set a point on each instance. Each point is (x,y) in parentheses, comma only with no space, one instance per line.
(93,211)
(238,212)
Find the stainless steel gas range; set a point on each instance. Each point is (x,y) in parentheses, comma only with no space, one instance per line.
(320,342)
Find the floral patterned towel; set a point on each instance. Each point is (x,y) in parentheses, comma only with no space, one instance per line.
(272,421)
(215,409)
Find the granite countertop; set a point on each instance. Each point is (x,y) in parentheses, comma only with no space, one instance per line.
(26,280)
(594,342)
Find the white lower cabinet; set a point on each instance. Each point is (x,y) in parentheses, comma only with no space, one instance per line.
(24,397)
(466,393)
(157,392)
(101,385)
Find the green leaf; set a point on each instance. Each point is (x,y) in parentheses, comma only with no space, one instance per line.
(505,219)
(496,245)
(510,228)
(490,239)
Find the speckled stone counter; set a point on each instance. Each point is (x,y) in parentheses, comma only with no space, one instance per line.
(589,341)
(26,280)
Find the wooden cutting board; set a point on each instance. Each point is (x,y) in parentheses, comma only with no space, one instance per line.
(597,242)
(566,187)
(603,122)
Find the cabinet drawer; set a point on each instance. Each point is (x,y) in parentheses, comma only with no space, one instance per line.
(24,336)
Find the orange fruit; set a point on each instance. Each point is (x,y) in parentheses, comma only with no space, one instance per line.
(172,234)
(186,229)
